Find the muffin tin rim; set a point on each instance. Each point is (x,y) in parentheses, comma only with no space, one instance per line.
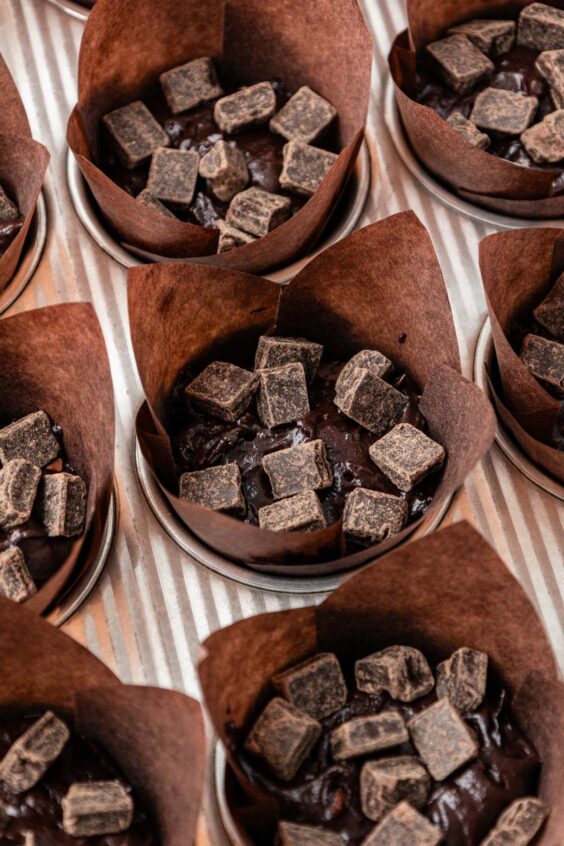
(31,256)
(75,10)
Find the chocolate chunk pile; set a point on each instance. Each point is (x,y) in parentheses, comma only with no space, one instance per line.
(33,486)
(176,176)
(543,354)
(413,741)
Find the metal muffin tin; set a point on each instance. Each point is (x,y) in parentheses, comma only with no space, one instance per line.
(342,223)
(229,832)
(72,8)
(484,358)
(30,257)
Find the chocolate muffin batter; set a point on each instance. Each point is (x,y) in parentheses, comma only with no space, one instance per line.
(8,231)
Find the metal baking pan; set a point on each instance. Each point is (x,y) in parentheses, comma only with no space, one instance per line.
(30,257)
(72,8)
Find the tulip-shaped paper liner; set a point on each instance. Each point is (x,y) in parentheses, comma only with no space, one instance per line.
(128,43)
(55,359)
(518,270)
(440,593)
(381,288)
(23,164)
(475,174)
(155,737)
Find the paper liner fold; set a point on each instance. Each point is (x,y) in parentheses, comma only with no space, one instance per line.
(128,43)
(55,359)
(455,591)
(381,288)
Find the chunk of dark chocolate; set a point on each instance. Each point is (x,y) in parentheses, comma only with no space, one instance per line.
(8,209)
(550,313)
(173,175)
(371,516)
(303,467)
(406,455)
(94,808)
(304,117)
(231,237)
(316,686)
(18,487)
(544,359)
(461,64)
(29,757)
(190,85)
(497,110)
(217,488)
(442,739)
(15,579)
(258,212)
(61,504)
(370,401)
(550,64)
(371,360)
(519,823)
(31,438)
(274,352)
(468,130)
(541,27)
(225,167)
(462,679)
(385,782)
(135,133)
(282,396)
(300,513)
(404,826)
(492,37)
(364,735)
(283,736)
(544,141)
(402,671)
(251,106)
(147,199)
(294,834)
(304,167)
(223,390)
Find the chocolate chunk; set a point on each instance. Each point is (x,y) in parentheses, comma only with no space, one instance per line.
(274,352)
(8,209)
(135,132)
(550,313)
(404,826)
(461,64)
(173,175)
(231,237)
(406,455)
(304,117)
(371,516)
(151,202)
(316,686)
(551,65)
(31,438)
(96,807)
(217,488)
(462,679)
(223,390)
(251,106)
(226,169)
(293,834)
(541,27)
(282,396)
(400,670)
(468,130)
(257,211)
(190,85)
(15,579)
(364,735)
(300,513)
(371,360)
(545,360)
(18,486)
(303,467)
(519,823)
(370,401)
(29,757)
(61,504)
(283,736)
(544,141)
(386,782)
(497,110)
(442,739)
(494,38)
(304,167)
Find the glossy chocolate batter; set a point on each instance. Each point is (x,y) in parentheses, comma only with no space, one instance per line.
(8,231)
(39,809)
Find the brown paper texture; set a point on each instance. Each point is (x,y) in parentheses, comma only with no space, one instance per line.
(365,292)
(128,43)
(55,359)
(455,591)
(156,737)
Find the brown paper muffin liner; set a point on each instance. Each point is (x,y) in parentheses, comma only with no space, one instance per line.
(380,288)
(475,174)
(518,269)
(55,359)
(128,43)
(455,591)
(155,737)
